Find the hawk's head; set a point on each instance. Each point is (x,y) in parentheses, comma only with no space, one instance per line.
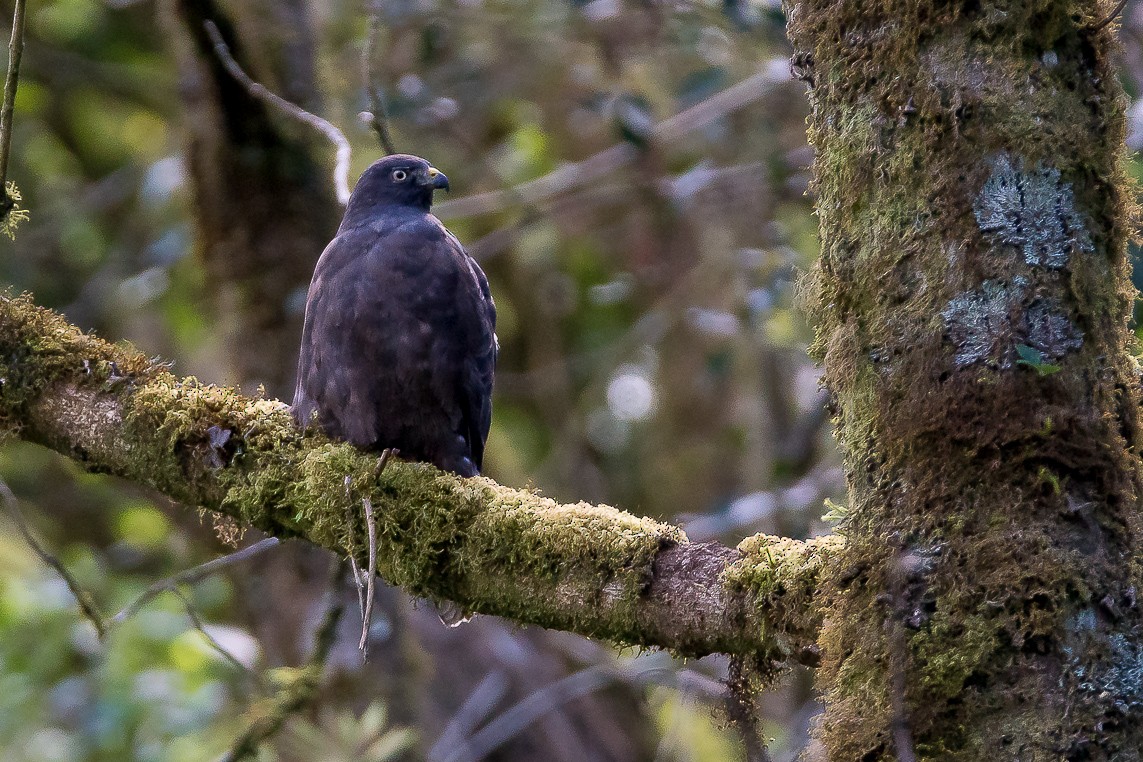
(400,179)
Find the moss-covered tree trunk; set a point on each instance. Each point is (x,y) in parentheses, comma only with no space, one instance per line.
(974,297)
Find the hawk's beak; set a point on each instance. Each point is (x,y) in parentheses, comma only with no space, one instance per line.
(437,179)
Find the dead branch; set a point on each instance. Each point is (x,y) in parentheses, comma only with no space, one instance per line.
(259,91)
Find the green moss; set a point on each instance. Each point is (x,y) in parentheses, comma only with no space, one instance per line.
(783,577)
(943,672)
(59,351)
(972,199)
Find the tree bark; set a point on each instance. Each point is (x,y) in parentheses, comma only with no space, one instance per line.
(258,242)
(973,300)
(492,549)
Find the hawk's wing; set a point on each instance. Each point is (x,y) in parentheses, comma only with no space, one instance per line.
(481,367)
(398,348)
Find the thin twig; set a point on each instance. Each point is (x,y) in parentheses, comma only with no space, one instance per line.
(298,694)
(199,625)
(358,577)
(83,598)
(386,454)
(378,114)
(1114,13)
(15,50)
(256,90)
(477,707)
(192,576)
(371,572)
(370,578)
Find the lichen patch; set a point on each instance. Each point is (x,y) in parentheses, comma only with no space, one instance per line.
(1050,331)
(1033,212)
(987,325)
(978,324)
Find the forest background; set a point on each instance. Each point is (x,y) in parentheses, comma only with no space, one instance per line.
(632,177)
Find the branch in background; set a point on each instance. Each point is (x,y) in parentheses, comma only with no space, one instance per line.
(83,598)
(87,604)
(299,692)
(528,710)
(91,611)
(191,576)
(775,74)
(491,549)
(462,742)
(9,214)
(198,624)
(378,116)
(475,710)
(256,90)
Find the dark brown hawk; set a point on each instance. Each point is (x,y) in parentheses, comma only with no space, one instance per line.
(399,348)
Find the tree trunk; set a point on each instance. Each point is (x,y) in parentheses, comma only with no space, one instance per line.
(974,296)
(263,201)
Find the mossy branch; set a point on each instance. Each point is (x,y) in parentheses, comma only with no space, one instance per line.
(585,568)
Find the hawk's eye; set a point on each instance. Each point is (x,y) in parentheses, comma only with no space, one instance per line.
(399,175)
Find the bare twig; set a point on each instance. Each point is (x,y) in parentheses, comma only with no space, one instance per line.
(378,116)
(371,572)
(83,598)
(297,694)
(192,576)
(1112,16)
(256,90)
(528,710)
(370,578)
(15,50)
(481,702)
(351,551)
(199,625)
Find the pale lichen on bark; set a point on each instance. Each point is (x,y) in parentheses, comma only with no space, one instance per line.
(1032,211)
(987,325)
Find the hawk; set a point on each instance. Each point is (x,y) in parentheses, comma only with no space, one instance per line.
(399,344)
